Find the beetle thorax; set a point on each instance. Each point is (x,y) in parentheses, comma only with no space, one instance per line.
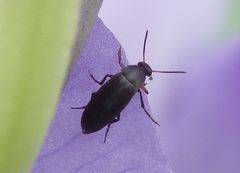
(135,75)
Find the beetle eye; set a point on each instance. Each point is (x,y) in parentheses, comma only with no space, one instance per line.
(150,78)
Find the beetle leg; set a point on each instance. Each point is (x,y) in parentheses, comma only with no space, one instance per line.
(83,107)
(109,125)
(144,89)
(103,80)
(120,58)
(142,105)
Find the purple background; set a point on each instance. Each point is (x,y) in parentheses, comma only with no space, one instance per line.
(202,131)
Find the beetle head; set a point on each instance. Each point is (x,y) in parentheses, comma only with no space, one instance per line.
(146,68)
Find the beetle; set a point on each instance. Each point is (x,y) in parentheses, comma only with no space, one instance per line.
(106,104)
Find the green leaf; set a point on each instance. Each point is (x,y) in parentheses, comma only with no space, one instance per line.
(233,19)
(35,42)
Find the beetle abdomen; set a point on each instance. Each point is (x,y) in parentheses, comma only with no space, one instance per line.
(107,103)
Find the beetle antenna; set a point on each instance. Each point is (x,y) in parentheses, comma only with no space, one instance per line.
(156,71)
(144,45)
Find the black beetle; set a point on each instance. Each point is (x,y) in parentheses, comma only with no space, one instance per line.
(106,104)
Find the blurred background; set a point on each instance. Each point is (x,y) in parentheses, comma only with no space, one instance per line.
(199,111)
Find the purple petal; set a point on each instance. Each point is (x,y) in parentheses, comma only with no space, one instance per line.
(131,144)
(204,114)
